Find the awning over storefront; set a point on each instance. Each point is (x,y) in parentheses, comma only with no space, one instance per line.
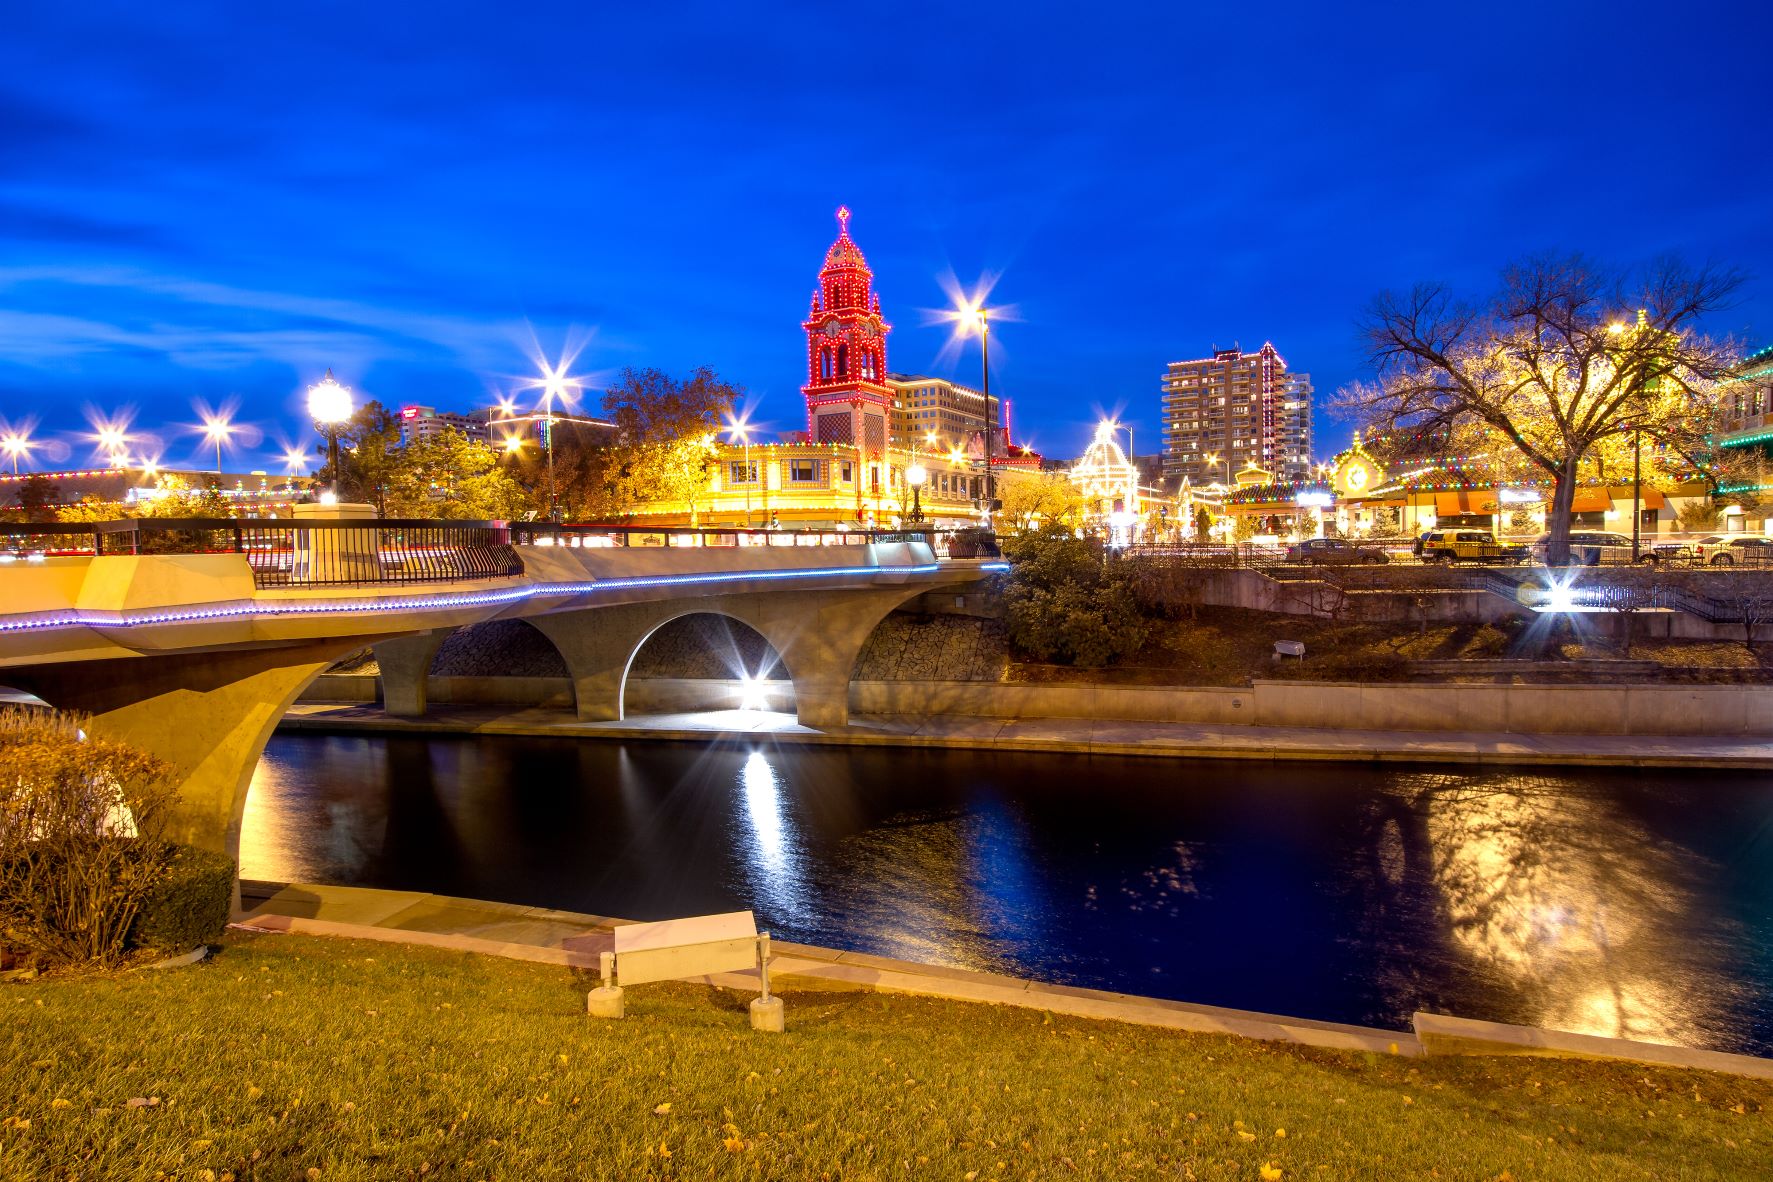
(1591,500)
(1464,504)
(1599,500)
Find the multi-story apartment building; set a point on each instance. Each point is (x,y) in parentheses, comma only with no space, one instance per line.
(419,423)
(1244,409)
(953,413)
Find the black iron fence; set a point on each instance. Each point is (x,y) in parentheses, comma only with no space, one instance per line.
(285,552)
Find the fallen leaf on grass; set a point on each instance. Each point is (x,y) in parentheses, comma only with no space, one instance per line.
(662,1109)
(1245,1136)
(58,1102)
(1270,1172)
(734,1145)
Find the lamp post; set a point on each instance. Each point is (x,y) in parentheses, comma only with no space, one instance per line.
(15,444)
(990,432)
(216,429)
(968,315)
(329,405)
(555,383)
(743,431)
(915,475)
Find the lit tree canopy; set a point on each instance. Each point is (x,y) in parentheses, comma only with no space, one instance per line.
(1565,360)
(449,475)
(665,431)
(1034,499)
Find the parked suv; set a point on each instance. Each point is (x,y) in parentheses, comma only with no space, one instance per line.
(1334,552)
(1465,545)
(1591,548)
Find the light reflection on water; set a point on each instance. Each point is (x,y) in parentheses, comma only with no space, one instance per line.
(1619,904)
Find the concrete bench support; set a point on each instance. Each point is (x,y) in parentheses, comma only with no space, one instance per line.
(673,949)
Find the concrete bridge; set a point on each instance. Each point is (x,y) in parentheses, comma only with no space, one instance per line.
(197,656)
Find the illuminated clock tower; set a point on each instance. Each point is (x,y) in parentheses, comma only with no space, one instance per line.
(847,398)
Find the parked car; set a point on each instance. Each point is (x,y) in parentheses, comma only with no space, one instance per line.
(1734,550)
(1591,548)
(1334,552)
(1465,545)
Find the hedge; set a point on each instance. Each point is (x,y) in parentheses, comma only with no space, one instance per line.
(190,905)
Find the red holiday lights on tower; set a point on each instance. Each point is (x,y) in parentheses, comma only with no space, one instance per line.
(847,398)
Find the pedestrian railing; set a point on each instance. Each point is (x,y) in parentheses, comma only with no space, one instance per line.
(285,552)
(945,543)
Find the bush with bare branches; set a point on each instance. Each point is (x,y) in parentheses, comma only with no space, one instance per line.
(82,838)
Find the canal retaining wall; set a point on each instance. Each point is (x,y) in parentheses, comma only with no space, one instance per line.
(1733,711)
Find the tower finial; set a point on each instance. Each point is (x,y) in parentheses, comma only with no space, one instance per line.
(843,219)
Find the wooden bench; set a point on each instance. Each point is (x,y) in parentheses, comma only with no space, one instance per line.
(697,946)
(1289,648)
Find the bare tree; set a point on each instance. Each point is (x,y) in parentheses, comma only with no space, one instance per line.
(1563,361)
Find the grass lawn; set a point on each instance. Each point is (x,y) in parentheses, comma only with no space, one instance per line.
(293,1057)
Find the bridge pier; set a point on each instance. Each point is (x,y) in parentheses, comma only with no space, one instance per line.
(818,634)
(209,714)
(405,664)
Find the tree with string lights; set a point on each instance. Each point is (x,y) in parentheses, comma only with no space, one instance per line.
(1568,363)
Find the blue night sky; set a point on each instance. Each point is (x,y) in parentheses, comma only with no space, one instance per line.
(218,201)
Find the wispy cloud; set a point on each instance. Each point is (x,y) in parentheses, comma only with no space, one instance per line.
(208,325)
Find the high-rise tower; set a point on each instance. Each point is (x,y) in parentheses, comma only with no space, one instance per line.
(847,398)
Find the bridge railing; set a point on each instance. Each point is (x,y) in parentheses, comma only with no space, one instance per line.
(284,552)
(946,543)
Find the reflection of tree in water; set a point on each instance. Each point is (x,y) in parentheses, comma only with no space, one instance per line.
(1570,914)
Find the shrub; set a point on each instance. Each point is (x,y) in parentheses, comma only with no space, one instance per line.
(1065,603)
(190,904)
(82,825)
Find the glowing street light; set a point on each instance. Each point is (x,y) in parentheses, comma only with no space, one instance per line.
(217,429)
(556,385)
(969,315)
(16,443)
(915,476)
(741,430)
(513,445)
(295,459)
(329,405)
(113,437)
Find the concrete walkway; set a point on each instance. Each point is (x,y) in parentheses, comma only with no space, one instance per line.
(574,940)
(1080,735)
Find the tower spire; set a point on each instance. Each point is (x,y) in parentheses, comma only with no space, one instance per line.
(843,219)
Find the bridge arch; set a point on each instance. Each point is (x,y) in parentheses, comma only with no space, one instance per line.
(818,635)
(407,664)
(711,660)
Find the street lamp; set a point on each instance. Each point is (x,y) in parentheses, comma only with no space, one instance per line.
(217,429)
(16,444)
(742,429)
(968,315)
(554,385)
(329,405)
(915,476)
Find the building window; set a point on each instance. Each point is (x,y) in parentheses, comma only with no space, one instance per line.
(848,475)
(743,473)
(803,471)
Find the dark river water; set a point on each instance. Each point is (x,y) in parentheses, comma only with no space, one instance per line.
(1637,904)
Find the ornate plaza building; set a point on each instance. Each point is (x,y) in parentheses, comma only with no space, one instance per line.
(856,467)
